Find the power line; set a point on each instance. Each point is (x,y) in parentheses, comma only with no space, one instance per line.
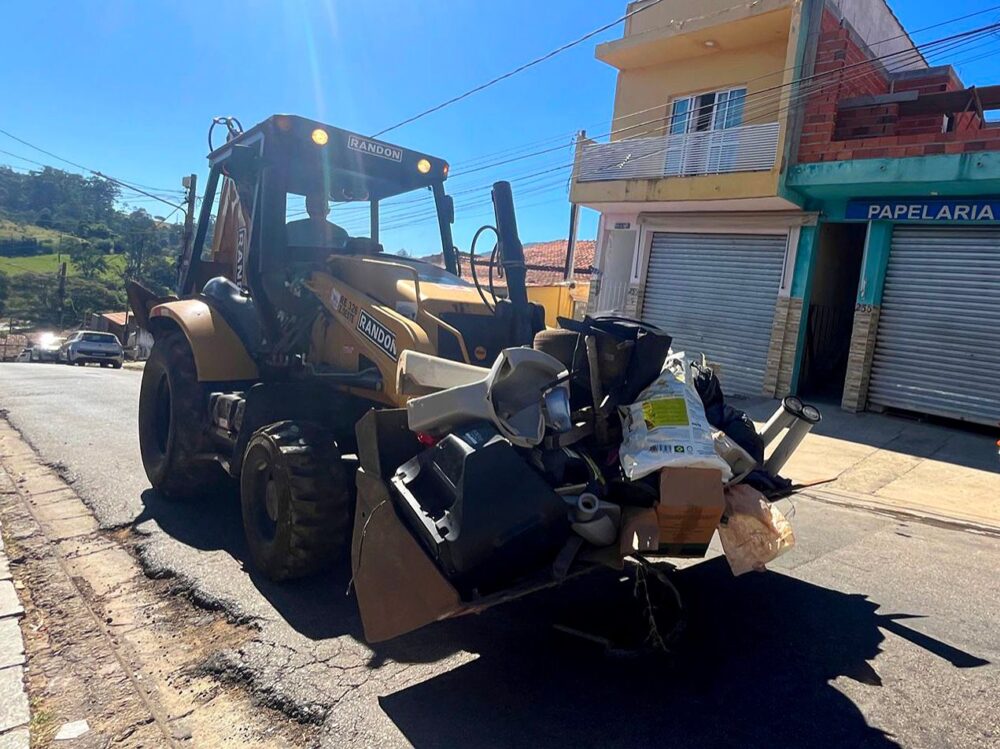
(536,144)
(519,69)
(774,95)
(771,95)
(87,169)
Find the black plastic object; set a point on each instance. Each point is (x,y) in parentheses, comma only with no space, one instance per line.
(512,260)
(736,424)
(480,510)
(625,376)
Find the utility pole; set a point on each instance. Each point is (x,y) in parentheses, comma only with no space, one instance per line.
(574,216)
(187,239)
(10,332)
(62,293)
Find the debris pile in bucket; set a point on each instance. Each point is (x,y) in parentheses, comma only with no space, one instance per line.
(597,444)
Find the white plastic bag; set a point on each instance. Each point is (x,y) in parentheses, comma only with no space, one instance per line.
(753,531)
(666,426)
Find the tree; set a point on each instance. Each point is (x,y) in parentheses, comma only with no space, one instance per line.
(138,243)
(90,262)
(36,297)
(160,274)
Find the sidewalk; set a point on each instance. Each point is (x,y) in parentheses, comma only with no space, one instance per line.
(14,713)
(897,465)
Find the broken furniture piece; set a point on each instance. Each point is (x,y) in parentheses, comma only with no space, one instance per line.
(511,396)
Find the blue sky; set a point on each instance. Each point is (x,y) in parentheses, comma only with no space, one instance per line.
(129,87)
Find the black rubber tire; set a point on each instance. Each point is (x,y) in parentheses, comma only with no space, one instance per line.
(297,498)
(116,365)
(173,423)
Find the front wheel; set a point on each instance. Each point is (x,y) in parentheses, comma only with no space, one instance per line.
(297,500)
(173,423)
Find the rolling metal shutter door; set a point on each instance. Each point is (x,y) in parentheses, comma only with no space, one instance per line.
(715,293)
(938,345)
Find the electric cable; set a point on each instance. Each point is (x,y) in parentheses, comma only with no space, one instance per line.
(88,169)
(519,69)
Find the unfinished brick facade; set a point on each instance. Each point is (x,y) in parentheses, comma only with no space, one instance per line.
(845,69)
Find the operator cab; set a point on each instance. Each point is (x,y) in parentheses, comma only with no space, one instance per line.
(274,225)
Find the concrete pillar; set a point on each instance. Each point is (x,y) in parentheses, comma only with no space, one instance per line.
(788,328)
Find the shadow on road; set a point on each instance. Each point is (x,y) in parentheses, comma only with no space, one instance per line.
(753,669)
(317,607)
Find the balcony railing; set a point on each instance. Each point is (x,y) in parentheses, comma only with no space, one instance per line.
(751,148)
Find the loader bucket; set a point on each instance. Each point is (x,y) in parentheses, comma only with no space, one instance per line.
(398,586)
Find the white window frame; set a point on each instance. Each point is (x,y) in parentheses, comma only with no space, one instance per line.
(692,99)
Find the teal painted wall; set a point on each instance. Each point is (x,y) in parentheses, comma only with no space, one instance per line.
(974,173)
(805,258)
(875,263)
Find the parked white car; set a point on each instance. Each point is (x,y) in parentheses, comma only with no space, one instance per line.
(91,346)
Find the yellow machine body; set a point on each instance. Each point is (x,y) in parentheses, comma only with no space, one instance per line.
(377,308)
(219,354)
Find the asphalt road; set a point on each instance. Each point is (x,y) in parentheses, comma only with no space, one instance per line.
(872,632)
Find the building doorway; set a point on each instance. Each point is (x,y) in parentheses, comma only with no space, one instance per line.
(616,270)
(830,322)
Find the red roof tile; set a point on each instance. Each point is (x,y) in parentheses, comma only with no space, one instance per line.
(115,318)
(544,260)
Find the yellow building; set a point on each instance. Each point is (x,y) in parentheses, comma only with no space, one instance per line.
(695,229)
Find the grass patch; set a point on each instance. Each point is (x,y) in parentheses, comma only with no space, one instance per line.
(13,266)
(42,726)
(14,230)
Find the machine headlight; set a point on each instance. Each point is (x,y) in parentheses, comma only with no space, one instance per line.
(424,166)
(320,136)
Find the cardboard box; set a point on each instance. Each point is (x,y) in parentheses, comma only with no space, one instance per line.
(690,508)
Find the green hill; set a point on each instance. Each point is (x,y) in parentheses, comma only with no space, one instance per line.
(58,241)
(13,266)
(13,230)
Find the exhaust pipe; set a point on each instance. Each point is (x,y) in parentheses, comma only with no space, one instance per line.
(512,259)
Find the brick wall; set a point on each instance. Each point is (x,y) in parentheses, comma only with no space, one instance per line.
(859,360)
(782,349)
(845,70)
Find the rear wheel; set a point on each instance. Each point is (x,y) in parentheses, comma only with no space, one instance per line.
(297,500)
(173,422)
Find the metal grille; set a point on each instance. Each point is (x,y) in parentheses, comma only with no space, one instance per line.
(715,294)
(751,148)
(938,345)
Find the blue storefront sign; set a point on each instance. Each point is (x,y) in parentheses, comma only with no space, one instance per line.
(935,209)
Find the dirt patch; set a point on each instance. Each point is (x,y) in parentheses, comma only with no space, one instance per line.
(105,643)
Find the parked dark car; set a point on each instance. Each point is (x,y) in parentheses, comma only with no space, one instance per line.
(47,348)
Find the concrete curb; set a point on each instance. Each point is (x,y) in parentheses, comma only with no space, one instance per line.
(898,509)
(14,710)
